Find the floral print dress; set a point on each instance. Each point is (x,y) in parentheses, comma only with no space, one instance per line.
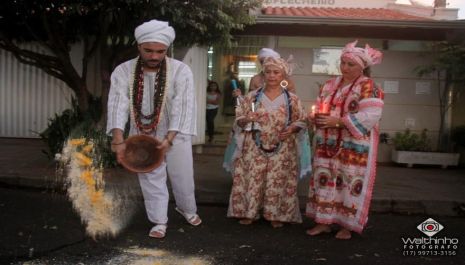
(266,181)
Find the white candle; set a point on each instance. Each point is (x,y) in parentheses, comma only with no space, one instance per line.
(253,106)
(313,109)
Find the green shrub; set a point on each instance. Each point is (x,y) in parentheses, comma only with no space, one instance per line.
(71,123)
(59,128)
(408,141)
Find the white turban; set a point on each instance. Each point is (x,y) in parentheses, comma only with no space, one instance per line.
(267,52)
(155,31)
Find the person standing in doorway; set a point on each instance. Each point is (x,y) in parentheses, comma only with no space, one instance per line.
(213,101)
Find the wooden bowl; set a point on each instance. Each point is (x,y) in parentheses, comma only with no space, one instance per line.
(141,154)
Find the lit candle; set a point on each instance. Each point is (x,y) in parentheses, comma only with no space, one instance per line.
(313,109)
(324,107)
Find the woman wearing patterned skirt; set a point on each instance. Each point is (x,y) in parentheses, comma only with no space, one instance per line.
(346,116)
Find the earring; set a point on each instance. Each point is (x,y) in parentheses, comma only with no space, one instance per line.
(284,84)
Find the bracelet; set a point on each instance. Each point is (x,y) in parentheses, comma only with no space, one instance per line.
(117,143)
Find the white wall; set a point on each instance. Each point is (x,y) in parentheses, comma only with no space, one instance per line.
(197,59)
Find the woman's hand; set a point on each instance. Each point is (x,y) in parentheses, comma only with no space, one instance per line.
(328,122)
(288,132)
(251,117)
(236,93)
(311,117)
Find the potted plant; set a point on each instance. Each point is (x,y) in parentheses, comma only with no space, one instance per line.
(411,148)
(384,148)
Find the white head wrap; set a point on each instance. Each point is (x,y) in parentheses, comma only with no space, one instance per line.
(155,31)
(267,52)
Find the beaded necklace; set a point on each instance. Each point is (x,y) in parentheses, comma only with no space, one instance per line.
(331,152)
(258,142)
(137,94)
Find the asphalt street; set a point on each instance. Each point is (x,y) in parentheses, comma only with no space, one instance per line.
(40,227)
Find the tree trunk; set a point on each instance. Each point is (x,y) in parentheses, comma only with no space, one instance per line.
(444,127)
(83,97)
(104,97)
(105,72)
(110,58)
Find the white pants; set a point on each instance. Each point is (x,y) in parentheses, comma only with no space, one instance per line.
(179,165)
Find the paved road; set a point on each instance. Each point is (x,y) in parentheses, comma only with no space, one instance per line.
(39,227)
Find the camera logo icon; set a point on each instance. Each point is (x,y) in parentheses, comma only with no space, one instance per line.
(430,227)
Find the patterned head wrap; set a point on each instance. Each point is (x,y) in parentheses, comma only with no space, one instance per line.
(155,31)
(364,57)
(278,62)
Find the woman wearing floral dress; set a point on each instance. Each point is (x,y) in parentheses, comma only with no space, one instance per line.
(348,110)
(267,171)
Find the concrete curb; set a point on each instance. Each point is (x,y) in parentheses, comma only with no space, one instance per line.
(423,190)
(379,205)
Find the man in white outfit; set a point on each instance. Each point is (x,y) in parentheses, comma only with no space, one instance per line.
(157,93)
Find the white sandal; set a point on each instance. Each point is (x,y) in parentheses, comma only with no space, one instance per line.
(192,219)
(158,231)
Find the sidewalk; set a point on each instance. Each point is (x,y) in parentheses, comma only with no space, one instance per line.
(425,190)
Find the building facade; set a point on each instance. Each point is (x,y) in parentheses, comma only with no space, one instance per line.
(313,32)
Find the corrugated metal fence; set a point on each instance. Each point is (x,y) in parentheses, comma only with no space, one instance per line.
(28,97)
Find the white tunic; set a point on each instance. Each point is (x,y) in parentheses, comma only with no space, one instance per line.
(179,113)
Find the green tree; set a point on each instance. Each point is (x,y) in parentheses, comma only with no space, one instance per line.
(448,67)
(105,29)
